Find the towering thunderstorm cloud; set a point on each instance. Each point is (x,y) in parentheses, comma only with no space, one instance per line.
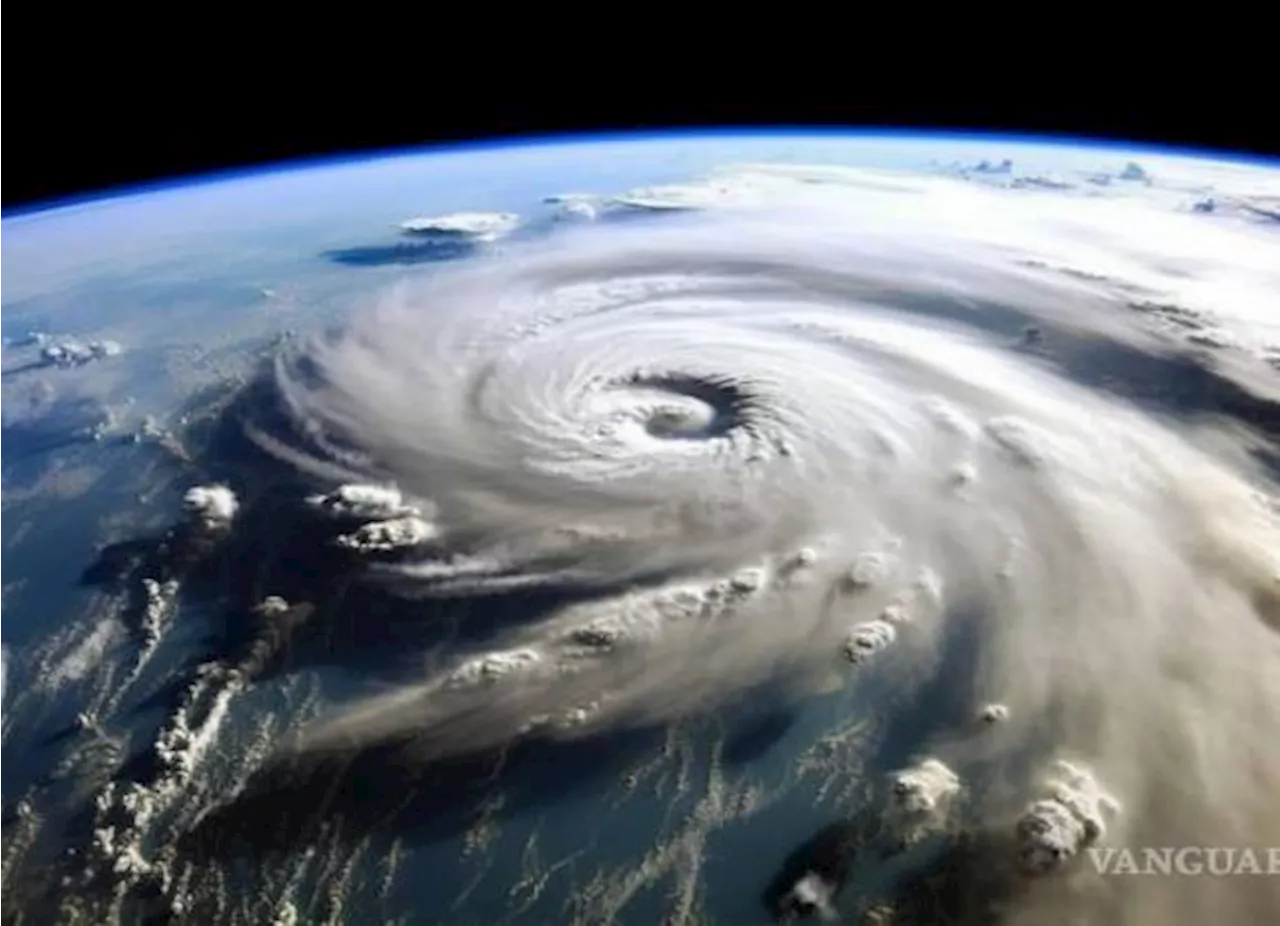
(791,441)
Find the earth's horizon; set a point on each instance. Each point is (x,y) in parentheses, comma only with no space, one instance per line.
(933,135)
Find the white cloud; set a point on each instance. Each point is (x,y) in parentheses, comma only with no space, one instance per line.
(214,505)
(357,500)
(921,799)
(493,667)
(392,534)
(825,338)
(475,226)
(812,894)
(993,713)
(72,353)
(575,206)
(1053,831)
(867,639)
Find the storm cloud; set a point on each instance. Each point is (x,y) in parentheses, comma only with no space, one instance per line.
(756,432)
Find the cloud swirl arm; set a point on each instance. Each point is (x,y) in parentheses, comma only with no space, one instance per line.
(749,435)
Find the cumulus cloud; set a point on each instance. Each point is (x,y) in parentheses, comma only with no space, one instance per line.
(75,353)
(741,433)
(1052,831)
(920,799)
(575,206)
(214,506)
(473,226)
(365,502)
(812,895)
(993,713)
(867,639)
(388,535)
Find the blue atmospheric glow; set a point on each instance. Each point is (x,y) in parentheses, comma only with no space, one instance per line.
(568,139)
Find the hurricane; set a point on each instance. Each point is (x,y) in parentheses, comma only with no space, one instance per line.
(827,437)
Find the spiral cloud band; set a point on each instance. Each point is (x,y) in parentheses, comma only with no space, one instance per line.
(794,434)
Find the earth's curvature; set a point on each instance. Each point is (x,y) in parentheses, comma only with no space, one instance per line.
(681,529)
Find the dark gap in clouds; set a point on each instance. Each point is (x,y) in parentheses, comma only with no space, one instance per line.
(49,426)
(383,787)
(402,253)
(830,854)
(757,736)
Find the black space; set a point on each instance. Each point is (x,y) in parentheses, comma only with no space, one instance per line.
(136,115)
